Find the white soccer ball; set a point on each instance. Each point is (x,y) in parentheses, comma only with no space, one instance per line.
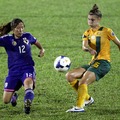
(62,63)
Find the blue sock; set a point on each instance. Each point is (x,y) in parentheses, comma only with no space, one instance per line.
(14,98)
(29,94)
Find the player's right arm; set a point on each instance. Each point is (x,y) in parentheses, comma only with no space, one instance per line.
(85,45)
(2,41)
(87,48)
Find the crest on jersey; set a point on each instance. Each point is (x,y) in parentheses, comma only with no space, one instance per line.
(26,41)
(93,37)
(14,43)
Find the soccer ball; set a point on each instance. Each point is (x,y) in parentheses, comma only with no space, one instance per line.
(62,63)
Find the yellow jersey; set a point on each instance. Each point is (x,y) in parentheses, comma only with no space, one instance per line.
(99,40)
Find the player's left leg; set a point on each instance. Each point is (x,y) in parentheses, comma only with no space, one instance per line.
(29,94)
(28,80)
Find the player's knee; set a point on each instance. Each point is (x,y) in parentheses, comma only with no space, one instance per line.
(6,101)
(69,77)
(6,97)
(28,83)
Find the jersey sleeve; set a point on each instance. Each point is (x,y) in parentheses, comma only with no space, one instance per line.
(2,41)
(85,36)
(111,34)
(31,38)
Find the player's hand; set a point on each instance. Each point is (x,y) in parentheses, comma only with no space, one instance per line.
(41,54)
(93,52)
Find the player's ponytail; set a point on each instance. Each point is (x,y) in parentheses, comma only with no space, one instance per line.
(95,11)
(5,29)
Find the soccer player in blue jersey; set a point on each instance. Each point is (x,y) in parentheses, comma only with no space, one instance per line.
(20,62)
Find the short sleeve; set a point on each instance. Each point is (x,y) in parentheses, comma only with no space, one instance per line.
(30,37)
(33,40)
(3,41)
(85,35)
(111,34)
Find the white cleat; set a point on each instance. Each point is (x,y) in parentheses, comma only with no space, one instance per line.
(89,102)
(76,109)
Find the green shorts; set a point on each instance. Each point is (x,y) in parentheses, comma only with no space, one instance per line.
(99,67)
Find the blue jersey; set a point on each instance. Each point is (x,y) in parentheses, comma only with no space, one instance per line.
(18,50)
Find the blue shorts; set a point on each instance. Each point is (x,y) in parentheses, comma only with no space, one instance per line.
(16,77)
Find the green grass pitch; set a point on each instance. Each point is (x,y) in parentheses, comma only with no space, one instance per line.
(58,25)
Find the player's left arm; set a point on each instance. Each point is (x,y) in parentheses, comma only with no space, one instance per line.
(113,37)
(39,46)
(117,42)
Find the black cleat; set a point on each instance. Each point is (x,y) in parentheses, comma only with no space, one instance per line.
(27,106)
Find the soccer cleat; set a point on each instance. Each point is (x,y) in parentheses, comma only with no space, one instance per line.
(27,106)
(14,99)
(89,102)
(76,109)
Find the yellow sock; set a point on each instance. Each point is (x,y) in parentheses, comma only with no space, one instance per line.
(87,97)
(82,92)
(74,84)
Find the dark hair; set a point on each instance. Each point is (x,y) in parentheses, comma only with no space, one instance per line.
(5,29)
(95,11)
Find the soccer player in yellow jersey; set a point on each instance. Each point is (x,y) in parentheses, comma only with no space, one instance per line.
(96,41)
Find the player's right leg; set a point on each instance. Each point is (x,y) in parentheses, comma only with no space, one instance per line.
(73,76)
(10,97)
(14,99)
(11,85)
(7,96)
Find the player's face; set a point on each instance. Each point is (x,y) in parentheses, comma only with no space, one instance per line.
(93,21)
(18,30)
